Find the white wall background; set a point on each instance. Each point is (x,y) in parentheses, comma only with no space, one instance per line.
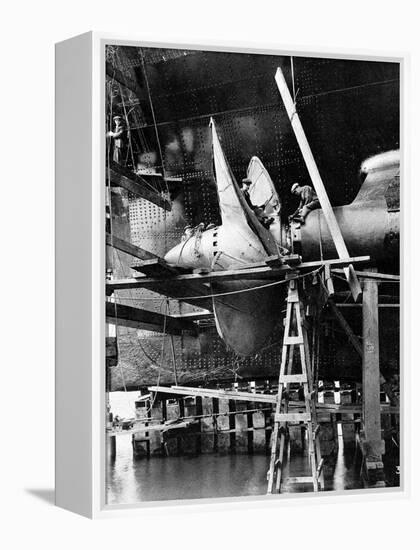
(29,30)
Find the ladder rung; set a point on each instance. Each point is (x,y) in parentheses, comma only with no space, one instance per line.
(292,417)
(295,340)
(293,378)
(300,479)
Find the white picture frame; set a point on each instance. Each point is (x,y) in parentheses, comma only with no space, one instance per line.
(80,284)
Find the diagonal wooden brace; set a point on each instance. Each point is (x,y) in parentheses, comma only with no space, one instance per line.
(318,184)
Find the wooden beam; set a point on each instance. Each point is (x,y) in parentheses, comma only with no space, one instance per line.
(147,320)
(257,273)
(318,184)
(193,293)
(384,277)
(157,176)
(157,267)
(195,316)
(129,248)
(360,305)
(121,177)
(219,394)
(264,398)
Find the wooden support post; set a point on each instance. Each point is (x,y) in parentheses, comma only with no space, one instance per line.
(207,426)
(155,437)
(140,441)
(259,435)
(371,440)
(223,435)
(172,413)
(232,409)
(199,411)
(241,428)
(328,432)
(347,419)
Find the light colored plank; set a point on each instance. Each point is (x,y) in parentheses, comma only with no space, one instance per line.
(292,417)
(294,378)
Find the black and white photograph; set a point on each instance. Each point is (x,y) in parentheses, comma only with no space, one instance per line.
(252,213)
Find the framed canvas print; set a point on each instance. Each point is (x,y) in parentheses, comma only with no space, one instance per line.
(228,274)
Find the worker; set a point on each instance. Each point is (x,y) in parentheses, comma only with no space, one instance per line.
(258,210)
(118,135)
(308,201)
(246,183)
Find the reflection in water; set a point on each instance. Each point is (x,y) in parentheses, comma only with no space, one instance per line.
(205,476)
(130,480)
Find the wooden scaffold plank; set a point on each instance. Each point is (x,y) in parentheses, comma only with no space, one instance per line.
(129,248)
(250,273)
(134,317)
(121,177)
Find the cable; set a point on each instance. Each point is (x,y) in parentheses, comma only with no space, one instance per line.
(128,127)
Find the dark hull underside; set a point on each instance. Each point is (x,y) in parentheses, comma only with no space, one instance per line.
(246,321)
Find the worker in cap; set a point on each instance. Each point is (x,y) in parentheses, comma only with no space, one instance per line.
(246,183)
(118,137)
(308,201)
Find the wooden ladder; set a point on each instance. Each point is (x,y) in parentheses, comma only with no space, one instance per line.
(295,335)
